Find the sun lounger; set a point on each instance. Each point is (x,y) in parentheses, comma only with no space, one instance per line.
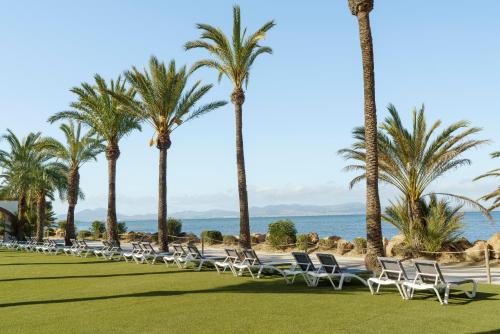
(430,277)
(330,268)
(302,267)
(99,252)
(71,250)
(194,256)
(178,257)
(114,252)
(393,273)
(148,254)
(252,262)
(233,256)
(136,249)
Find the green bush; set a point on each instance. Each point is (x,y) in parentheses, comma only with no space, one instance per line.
(229,240)
(174,228)
(302,241)
(122,228)
(359,245)
(62,224)
(97,228)
(211,237)
(282,233)
(327,243)
(82,234)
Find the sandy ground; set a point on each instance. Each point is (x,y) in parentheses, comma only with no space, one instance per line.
(455,270)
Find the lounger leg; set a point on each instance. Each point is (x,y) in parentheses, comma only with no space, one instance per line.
(341,282)
(370,287)
(439,296)
(447,294)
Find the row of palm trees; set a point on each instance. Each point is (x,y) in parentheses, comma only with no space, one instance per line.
(37,167)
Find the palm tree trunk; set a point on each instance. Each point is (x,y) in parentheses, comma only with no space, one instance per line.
(21,217)
(40,216)
(362,8)
(73,186)
(163,145)
(238,98)
(112,154)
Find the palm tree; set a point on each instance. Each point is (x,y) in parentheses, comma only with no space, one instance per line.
(79,149)
(495,194)
(165,103)
(46,177)
(16,165)
(361,9)
(234,59)
(411,160)
(98,107)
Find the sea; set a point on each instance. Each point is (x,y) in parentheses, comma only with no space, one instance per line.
(476,226)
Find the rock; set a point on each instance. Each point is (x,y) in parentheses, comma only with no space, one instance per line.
(394,245)
(476,252)
(343,246)
(494,243)
(258,238)
(313,238)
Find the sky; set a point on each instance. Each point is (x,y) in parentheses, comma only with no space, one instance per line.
(301,102)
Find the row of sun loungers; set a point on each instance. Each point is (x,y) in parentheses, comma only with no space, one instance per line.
(428,275)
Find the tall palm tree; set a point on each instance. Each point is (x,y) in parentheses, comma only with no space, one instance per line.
(46,177)
(98,106)
(361,9)
(234,58)
(411,160)
(78,150)
(495,194)
(16,165)
(165,103)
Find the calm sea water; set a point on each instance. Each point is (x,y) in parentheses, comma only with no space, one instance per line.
(346,226)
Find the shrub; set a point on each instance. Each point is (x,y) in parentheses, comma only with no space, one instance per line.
(122,228)
(359,245)
(443,224)
(97,228)
(82,234)
(282,233)
(62,224)
(229,240)
(190,238)
(174,228)
(211,237)
(302,241)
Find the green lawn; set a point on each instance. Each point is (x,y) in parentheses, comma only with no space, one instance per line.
(64,294)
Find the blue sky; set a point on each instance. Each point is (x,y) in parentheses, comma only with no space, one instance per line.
(302,101)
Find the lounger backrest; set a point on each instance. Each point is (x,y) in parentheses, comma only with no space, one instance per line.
(135,247)
(194,252)
(251,256)
(429,271)
(392,268)
(179,250)
(303,261)
(147,247)
(328,262)
(232,254)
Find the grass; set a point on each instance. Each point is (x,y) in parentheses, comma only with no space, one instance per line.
(62,294)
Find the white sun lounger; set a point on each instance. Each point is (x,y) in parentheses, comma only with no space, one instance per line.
(430,277)
(136,249)
(330,268)
(252,263)
(233,256)
(148,254)
(393,273)
(178,257)
(194,256)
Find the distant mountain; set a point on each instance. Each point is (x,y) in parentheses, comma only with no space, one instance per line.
(265,211)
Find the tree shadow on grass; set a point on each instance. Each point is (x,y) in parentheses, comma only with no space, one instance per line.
(51,263)
(247,286)
(91,276)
